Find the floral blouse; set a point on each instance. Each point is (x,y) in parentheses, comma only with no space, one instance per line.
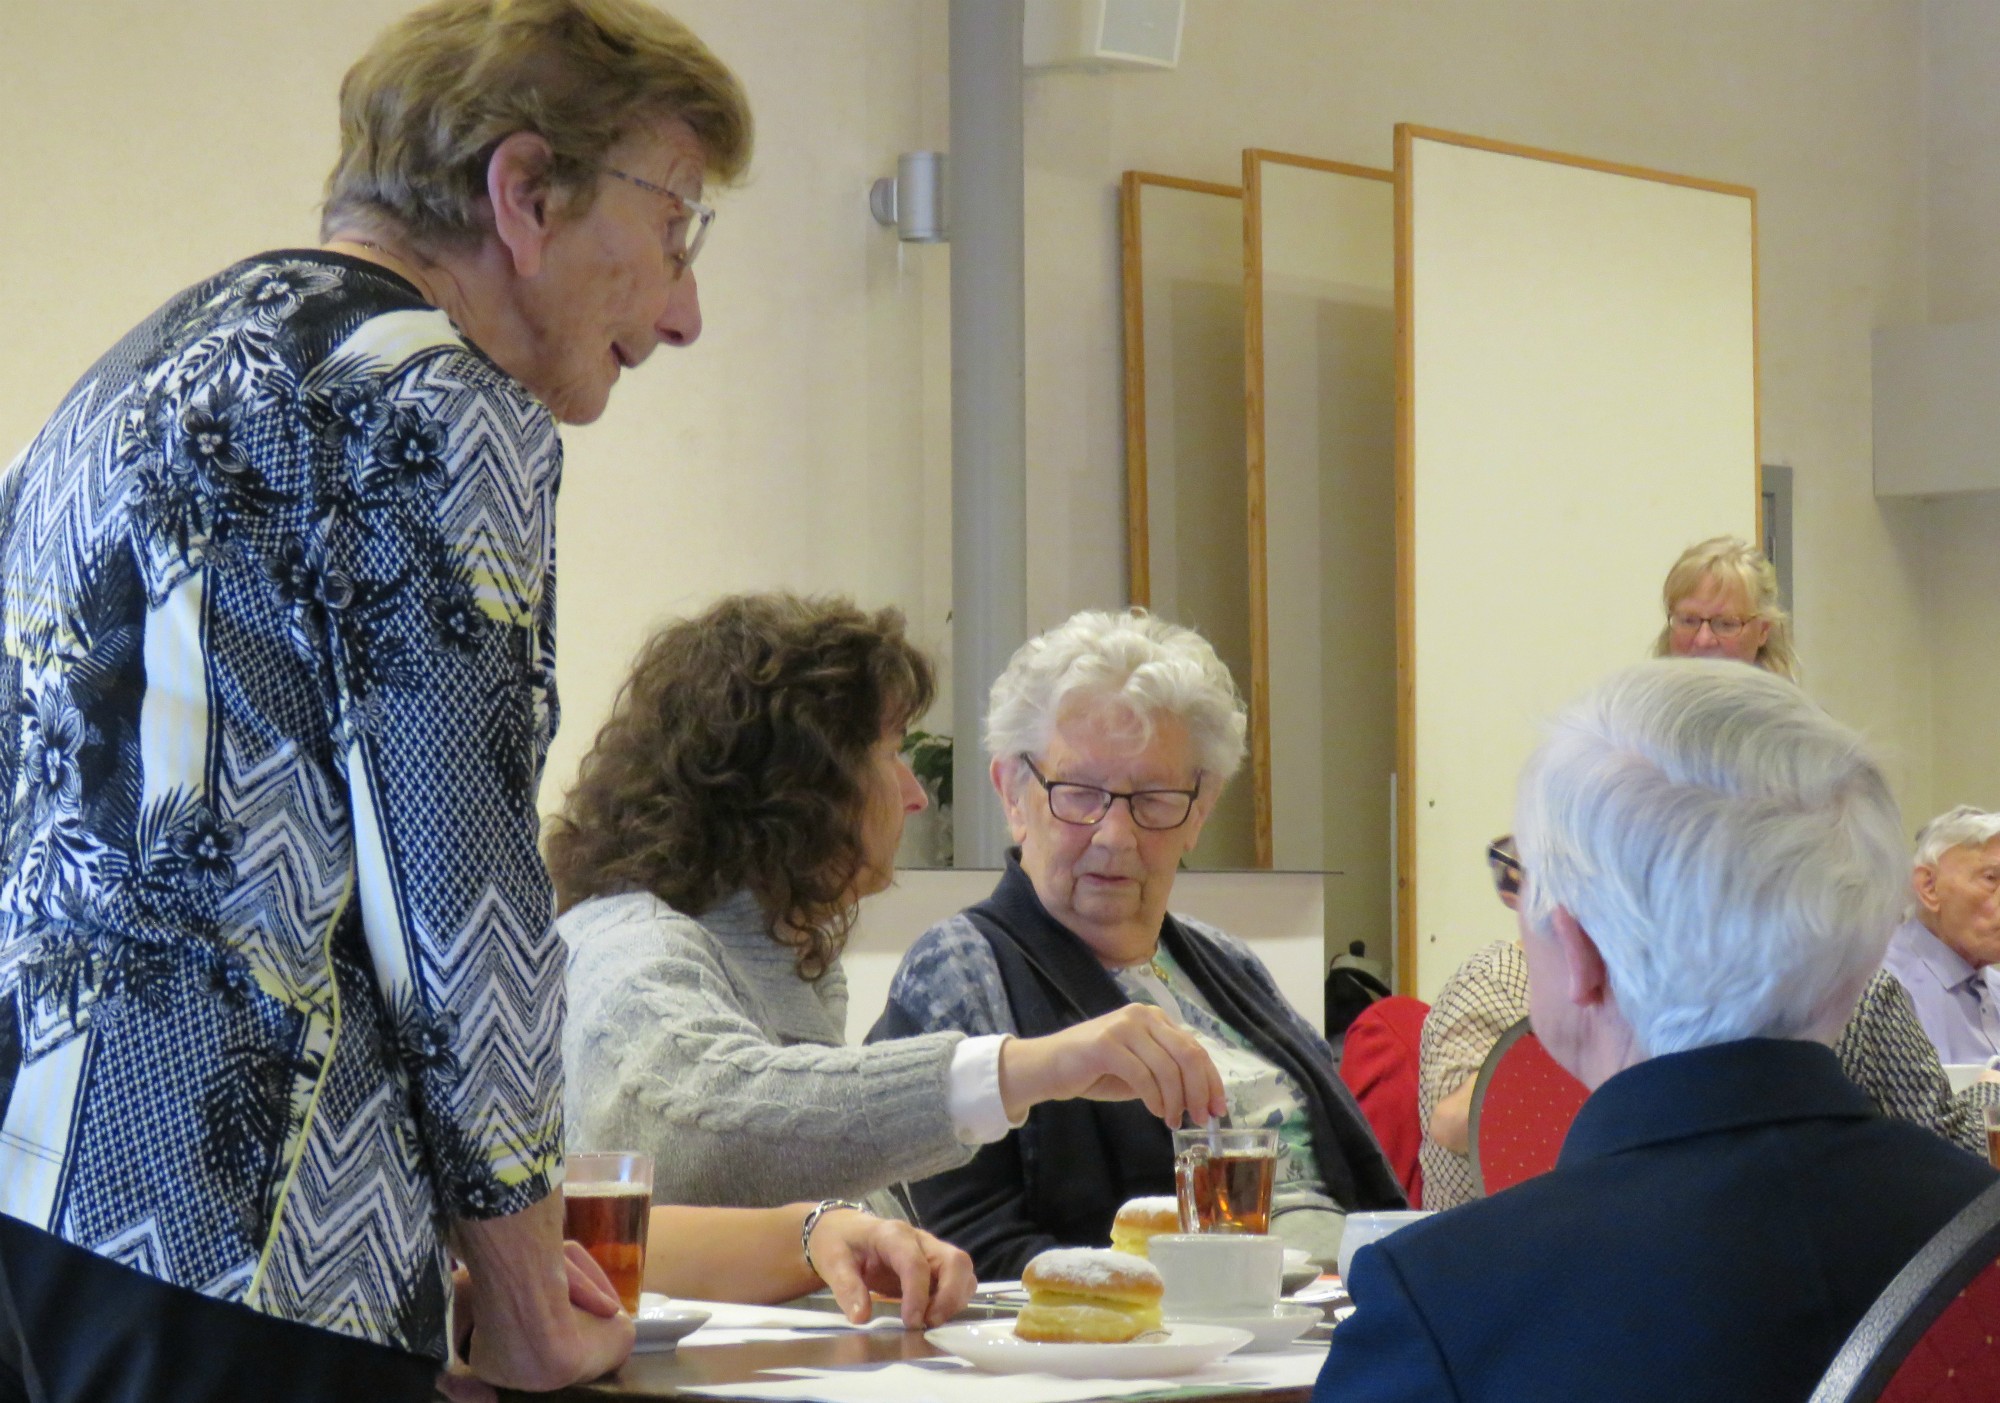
(279,989)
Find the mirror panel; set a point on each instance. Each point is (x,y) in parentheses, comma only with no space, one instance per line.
(1187,525)
(1320,391)
(1580,371)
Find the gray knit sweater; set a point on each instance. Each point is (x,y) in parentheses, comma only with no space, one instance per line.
(698,1043)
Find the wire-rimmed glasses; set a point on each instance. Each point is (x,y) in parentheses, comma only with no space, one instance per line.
(1721,625)
(1085,805)
(686,230)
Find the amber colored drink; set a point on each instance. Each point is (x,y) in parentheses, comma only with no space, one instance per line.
(610,1221)
(1993,1146)
(1228,1193)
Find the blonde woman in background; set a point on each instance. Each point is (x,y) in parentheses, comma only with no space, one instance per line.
(1722,602)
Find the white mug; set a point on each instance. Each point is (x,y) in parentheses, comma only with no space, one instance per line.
(1212,1275)
(1360,1229)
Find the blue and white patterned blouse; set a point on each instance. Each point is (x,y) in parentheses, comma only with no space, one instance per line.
(279,989)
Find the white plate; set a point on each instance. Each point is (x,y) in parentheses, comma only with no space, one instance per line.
(660,1323)
(1179,1349)
(1274,1329)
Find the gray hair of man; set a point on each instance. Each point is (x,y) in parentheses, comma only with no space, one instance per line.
(1132,662)
(1962,827)
(1733,851)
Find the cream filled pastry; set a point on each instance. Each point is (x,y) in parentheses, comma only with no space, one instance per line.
(1089,1294)
(1141,1220)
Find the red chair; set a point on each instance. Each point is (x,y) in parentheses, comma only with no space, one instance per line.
(1522,1106)
(1930,1337)
(1378,1061)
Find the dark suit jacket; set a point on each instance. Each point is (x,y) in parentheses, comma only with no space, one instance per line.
(1717,1223)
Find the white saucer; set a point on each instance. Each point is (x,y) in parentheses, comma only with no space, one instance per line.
(1179,1349)
(1285,1322)
(660,1324)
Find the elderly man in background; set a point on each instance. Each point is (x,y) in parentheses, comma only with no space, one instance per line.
(1711,868)
(1945,951)
(281,1001)
(1112,736)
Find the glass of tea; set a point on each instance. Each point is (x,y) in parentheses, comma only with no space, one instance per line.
(607,1202)
(1993,1136)
(1224,1178)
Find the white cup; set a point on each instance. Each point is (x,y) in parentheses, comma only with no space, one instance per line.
(1360,1229)
(1218,1275)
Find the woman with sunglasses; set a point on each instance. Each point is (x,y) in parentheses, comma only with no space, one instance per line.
(1112,736)
(747,793)
(1883,1049)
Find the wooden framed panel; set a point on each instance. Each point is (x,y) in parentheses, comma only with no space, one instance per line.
(1319,313)
(1182,251)
(1578,370)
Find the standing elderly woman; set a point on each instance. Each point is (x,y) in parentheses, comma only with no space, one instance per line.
(283,995)
(1722,602)
(1112,736)
(748,791)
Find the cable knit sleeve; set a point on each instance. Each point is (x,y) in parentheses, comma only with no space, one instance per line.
(665,1056)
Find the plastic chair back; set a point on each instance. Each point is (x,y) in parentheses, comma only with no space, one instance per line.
(1378,1062)
(1522,1106)
(1930,1337)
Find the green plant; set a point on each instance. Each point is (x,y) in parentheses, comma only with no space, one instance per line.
(930,762)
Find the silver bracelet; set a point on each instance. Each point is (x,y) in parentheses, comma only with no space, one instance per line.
(820,1210)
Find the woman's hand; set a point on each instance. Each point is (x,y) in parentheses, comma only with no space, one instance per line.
(590,1290)
(857,1253)
(541,1313)
(1133,1053)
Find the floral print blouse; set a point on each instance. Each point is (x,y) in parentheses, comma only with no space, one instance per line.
(279,989)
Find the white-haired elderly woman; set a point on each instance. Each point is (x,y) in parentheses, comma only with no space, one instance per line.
(1712,865)
(1111,737)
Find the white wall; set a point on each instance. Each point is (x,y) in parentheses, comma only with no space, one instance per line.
(1962,566)
(803,441)
(1818,105)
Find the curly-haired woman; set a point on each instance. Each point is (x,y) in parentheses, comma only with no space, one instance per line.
(747,792)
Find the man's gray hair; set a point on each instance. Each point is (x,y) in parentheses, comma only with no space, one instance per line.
(1733,851)
(1962,827)
(1134,660)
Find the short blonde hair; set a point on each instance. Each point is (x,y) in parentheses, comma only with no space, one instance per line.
(422,110)
(1733,561)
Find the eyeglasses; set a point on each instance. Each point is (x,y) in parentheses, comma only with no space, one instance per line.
(1506,866)
(1722,625)
(1085,805)
(686,230)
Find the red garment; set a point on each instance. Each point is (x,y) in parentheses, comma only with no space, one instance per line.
(1378,1061)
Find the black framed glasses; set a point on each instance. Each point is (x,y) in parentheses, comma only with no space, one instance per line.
(1506,866)
(686,230)
(1085,805)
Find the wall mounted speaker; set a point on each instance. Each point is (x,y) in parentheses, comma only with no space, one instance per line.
(1100,36)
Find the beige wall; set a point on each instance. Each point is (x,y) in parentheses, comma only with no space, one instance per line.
(1962,564)
(1816,103)
(803,441)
